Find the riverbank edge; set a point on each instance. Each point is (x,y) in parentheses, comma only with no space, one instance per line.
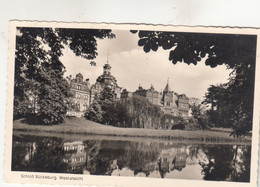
(84,127)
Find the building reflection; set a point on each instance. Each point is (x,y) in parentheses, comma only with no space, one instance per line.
(74,156)
(171,159)
(168,159)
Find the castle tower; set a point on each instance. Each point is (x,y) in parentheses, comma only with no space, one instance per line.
(167,88)
(106,69)
(79,78)
(106,80)
(169,101)
(167,98)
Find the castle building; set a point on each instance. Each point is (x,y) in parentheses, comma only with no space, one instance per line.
(82,93)
(169,101)
(105,80)
(80,96)
(183,105)
(150,94)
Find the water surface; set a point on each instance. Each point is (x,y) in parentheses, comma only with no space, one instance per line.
(163,159)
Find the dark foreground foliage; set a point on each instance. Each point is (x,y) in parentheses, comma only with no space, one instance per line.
(39,85)
(232,103)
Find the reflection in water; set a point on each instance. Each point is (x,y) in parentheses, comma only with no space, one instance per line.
(74,156)
(126,158)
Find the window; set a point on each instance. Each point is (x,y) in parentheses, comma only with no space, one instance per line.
(73,105)
(78,106)
(78,96)
(79,87)
(85,106)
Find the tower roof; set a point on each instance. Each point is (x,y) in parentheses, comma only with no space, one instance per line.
(107,66)
(167,87)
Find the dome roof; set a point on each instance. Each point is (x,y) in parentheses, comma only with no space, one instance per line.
(106,79)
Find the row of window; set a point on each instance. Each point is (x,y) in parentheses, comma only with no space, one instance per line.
(82,158)
(80,96)
(78,87)
(73,147)
(76,106)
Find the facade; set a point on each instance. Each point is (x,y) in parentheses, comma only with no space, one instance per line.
(150,94)
(80,96)
(183,105)
(105,80)
(82,93)
(126,94)
(169,101)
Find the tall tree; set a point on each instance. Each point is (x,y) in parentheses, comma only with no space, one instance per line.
(237,52)
(94,112)
(106,101)
(219,99)
(102,109)
(37,62)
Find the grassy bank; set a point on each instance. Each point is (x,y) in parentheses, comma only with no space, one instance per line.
(79,126)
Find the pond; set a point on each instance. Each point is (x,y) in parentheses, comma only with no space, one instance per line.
(147,158)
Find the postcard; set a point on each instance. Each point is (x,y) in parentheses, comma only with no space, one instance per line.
(132,105)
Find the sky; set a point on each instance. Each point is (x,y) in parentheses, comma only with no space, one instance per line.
(132,67)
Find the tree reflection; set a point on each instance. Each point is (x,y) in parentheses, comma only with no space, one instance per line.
(92,148)
(22,153)
(38,154)
(49,156)
(226,163)
(241,164)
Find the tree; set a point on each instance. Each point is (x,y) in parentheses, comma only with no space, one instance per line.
(241,90)
(196,107)
(38,52)
(237,52)
(106,101)
(103,109)
(94,112)
(192,47)
(220,102)
(142,113)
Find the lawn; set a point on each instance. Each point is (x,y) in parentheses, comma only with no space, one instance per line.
(80,126)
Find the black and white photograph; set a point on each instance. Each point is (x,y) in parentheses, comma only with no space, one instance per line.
(132,102)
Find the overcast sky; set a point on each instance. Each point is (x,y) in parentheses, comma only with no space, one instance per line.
(131,66)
